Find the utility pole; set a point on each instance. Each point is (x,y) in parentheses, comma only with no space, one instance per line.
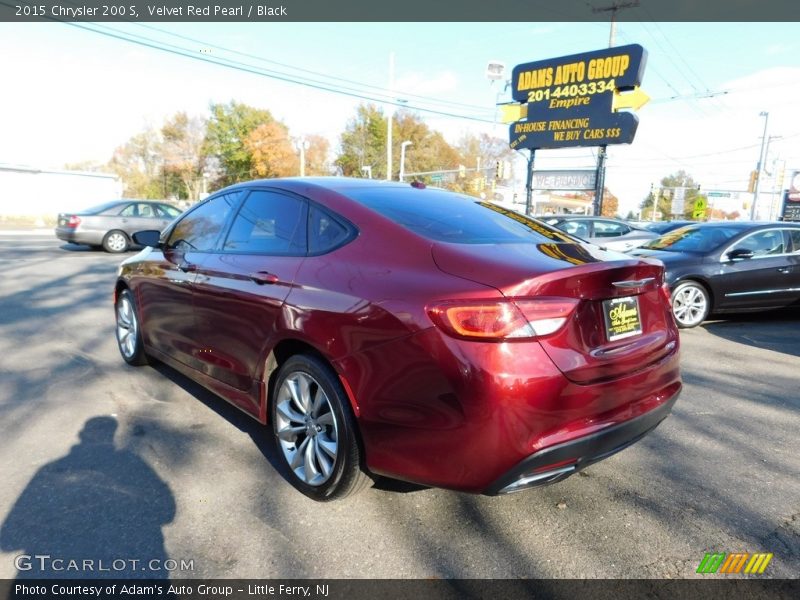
(389,120)
(600,179)
(529,183)
(614,8)
(764,141)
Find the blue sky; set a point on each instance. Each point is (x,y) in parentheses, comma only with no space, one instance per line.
(73,95)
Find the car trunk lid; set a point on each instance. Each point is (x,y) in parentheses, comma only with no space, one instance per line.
(622,322)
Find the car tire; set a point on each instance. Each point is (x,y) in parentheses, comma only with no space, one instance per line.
(116,241)
(315,430)
(128,330)
(691,304)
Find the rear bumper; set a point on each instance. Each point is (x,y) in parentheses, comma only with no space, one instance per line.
(78,236)
(65,234)
(558,462)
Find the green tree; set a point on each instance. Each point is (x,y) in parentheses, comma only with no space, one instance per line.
(228,129)
(139,165)
(317,155)
(184,154)
(482,152)
(271,151)
(429,151)
(363,143)
(663,195)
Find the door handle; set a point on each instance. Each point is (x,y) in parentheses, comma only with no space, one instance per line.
(784,270)
(263,277)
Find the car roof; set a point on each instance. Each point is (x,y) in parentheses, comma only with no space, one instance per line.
(745,225)
(579,217)
(336,184)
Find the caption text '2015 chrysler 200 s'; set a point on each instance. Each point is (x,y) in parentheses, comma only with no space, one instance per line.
(396,330)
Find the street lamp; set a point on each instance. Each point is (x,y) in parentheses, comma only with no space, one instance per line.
(403,147)
(302,146)
(764,114)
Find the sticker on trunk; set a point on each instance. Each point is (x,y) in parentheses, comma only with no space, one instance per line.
(622,317)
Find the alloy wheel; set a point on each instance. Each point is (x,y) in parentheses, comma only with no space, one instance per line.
(127,327)
(306,428)
(689,305)
(116,242)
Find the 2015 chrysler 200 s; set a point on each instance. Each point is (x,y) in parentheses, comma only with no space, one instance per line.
(404,331)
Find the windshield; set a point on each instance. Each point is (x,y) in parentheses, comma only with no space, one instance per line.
(693,238)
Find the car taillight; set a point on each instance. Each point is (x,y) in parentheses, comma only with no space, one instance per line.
(502,319)
(74,221)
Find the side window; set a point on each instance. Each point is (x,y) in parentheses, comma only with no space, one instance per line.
(200,229)
(324,232)
(763,243)
(128,211)
(167,211)
(269,223)
(794,239)
(146,210)
(609,229)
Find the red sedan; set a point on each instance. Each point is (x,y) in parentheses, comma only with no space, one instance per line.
(397,330)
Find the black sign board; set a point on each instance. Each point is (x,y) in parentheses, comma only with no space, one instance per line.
(570,100)
(791,207)
(559,82)
(578,130)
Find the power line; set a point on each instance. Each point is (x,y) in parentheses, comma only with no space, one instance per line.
(280,77)
(383,90)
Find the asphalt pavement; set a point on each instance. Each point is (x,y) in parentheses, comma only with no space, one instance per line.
(109,461)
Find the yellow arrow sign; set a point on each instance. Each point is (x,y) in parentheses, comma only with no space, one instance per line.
(510,113)
(634,100)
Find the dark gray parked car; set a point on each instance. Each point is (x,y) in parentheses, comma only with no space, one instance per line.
(112,224)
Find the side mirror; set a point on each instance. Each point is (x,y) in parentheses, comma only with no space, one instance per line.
(149,237)
(739,254)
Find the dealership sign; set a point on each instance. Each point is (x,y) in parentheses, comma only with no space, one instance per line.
(791,199)
(575,100)
(564,180)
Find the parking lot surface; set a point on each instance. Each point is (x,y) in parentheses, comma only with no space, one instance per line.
(82,435)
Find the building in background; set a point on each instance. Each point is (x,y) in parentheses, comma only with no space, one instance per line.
(41,193)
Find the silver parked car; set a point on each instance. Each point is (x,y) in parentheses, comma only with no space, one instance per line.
(112,224)
(613,234)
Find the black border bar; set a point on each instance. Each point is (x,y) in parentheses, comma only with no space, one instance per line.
(513,11)
(732,588)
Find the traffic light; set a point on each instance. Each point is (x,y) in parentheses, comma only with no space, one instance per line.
(751,187)
(498,170)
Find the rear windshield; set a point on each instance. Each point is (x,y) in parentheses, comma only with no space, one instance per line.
(96,210)
(693,238)
(447,217)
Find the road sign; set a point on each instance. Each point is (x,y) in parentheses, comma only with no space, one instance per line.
(700,204)
(678,201)
(699,214)
(575,100)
